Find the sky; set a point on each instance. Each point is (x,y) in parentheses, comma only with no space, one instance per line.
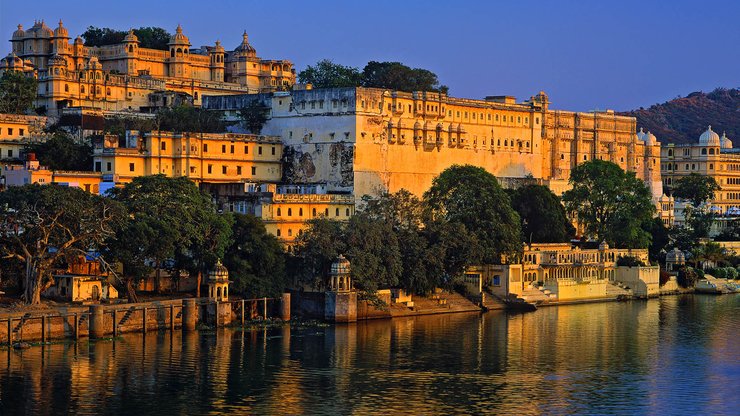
(585,55)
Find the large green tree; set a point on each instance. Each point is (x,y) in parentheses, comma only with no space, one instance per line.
(172,225)
(327,74)
(470,196)
(610,203)
(543,216)
(62,152)
(254,116)
(255,259)
(397,76)
(315,249)
(696,188)
(186,118)
(41,224)
(17,92)
(149,37)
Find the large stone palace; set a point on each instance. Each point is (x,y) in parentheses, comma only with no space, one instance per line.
(366,140)
(123,76)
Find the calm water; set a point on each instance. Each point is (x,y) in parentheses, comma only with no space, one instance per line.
(676,355)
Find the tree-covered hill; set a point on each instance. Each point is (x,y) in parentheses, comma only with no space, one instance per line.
(683,119)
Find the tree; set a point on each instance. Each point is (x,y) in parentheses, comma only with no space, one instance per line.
(327,74)
(254,116)
(172,225)
(472,197)
(611,204)
(660,238)
(397,76)
(149,37)
(687,277)
(373,251)
(62,152)
(255,259)
(696,188)
(190,119)
(543,216)
(315,249)
(17,92)
(41,224)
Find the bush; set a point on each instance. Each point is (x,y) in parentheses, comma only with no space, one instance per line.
(732,273)
(629,261)
(664,277)
(719,273)
(700,273)
(687,277)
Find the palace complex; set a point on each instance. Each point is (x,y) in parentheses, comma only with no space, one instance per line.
(366,140)
(124,76)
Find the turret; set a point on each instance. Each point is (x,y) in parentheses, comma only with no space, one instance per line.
(217,62)
(131,48)
(179,45)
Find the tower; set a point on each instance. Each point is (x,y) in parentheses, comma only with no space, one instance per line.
(218,283)
(179,44)
(217,62)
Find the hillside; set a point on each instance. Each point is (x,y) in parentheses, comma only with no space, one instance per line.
(683,119)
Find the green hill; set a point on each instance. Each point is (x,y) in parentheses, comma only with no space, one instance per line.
(683,119)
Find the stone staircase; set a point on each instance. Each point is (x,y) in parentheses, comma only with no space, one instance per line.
(617,290)
(18,327)
(538,295)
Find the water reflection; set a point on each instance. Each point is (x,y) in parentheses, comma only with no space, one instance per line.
(636,357)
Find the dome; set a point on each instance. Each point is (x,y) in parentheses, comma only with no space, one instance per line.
(724,142)
(604,246)
(245,46)
(219,272)
(641,134)
(218,48)
(19,33)
(340,266)
(131,36)
(179,38)
(61,31)
(675,256)
(649,139)
(709,137)
(40,30)
(78,40)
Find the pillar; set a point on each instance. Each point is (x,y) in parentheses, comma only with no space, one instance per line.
(189,314)
(97,322)
(285,307)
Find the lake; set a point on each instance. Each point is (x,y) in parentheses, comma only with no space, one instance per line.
(673,355)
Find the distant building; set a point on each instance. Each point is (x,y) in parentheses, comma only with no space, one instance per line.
(367,140)
(33,172)
(124,76)
(16,132)
(201,157)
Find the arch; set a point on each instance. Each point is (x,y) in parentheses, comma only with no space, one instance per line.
(704,151)
(179,51)
(290,212)
(66,87)
(82,89)
(131,48)
(95,292)
(172,53)
(279,213)
(300,212)
(711,151)
(218,293)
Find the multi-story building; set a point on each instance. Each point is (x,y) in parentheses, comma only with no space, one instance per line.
(16,132)
(366,140)
(123,76)
(33,172)
(201,157)
(712,156)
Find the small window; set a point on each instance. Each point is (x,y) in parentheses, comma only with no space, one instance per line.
(300,212)
(254,170)
(131,167)
(259,150)
(238,170)
(21,132)
(278,231)
(337,212)
(346,212)
(164,146)
(246,149)
(313,212)
(10,131)
(223,169)
(10,152)
(273,150)
(205,147)
(290,212)
(108,167)
(231,149)
(326,212)
(223,148)
(210,168)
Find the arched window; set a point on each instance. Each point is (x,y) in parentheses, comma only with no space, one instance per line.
(704,151)
(131,48)
(711,151)
(66,87)
(313,213)
(670,152)
(347,212)
(172,53)
(300,212)
(179,51)
(82,89)
(278,232)
(196,95)
(278,212)
(290,232)
(107,91)
(290,212)
(337,212)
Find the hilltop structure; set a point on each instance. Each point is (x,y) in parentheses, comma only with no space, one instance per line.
(368,140)
(125,76)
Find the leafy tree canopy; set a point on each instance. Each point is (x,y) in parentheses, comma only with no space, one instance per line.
(254,116)
(611,204)
(472,197)
(17,92)
(62,152)
(327,74)
(389,75)
(543,216)
(255,259)
(149,37)
(41,224)
(190,119)
(696,188)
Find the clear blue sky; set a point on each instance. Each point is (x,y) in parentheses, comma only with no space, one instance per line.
(584,54)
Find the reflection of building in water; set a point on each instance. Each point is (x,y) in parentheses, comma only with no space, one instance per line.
(559,272)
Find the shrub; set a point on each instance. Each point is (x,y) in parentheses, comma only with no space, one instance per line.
(687,277)
(664,277)
(732,273)
(629,261)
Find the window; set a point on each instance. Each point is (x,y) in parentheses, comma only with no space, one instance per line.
(107,91)
(290,212)
(238,170)
(98,166)
(273,150)
(10,152)
(290,232)
(278,232)
(131,167)
(279,213)
(66,87)
(497,280)
(347,212)
(196,95)
(259,150)
(223,169)
(108,167)
(254,170)
(300,212)
(10,131)
(21,132)
(313,213)
(82,89)
(703,151)
(326,212)
(164,146)
(223,148)
(231,149)
(205,147)
(210,168)
(246,149)
(337,212)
